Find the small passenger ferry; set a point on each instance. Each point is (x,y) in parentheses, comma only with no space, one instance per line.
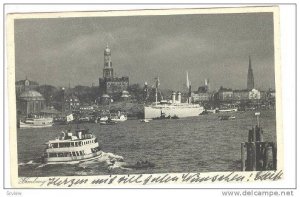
(36,123)
(72,148)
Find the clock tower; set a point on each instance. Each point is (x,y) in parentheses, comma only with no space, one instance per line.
(108,71)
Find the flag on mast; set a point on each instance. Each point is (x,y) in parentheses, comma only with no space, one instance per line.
(157,82)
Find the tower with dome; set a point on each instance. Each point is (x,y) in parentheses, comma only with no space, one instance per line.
(110,84)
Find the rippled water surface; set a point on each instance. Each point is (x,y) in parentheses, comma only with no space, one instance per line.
(197,144)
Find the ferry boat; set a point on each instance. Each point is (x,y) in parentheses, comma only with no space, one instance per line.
(173,108)
(72,148)
(36,123)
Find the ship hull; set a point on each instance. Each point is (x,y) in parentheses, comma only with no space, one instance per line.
(181,112)
(24,126)
(73,159)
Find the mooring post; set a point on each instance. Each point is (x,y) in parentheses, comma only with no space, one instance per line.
(257,154)
(274,153)
(268,157)
(251,135)
(243,164)
(253,145)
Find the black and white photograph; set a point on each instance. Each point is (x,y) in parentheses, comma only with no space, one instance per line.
(146,93)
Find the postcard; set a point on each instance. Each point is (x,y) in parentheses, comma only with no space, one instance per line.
(144,98)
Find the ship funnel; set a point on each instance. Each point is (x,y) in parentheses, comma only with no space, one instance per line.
(179,97)
(173,97)
(79,134)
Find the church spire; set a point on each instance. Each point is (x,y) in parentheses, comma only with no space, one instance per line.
(250,79)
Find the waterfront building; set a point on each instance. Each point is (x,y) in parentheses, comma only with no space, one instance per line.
(254,94)
(105,99)
(205,88)
(200,97)
(71,102)
(271,94)
(25,85)
(111,84)
(250,79)
(225,94)
(30,102)
(240,95)
(125,95)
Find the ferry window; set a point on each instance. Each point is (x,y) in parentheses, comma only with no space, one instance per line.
(77,154)
(55,145)
(73,154)
(52,154)
(60,154)
(65,154)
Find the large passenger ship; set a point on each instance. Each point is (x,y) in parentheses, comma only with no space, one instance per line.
(172,108)
(72,148)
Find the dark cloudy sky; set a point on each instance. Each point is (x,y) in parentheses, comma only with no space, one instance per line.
(63,50)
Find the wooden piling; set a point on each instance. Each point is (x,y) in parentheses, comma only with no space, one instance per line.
(258,134)
(253,145)
(268,157)
(251,135)
(243,151)
(274,153)
(257,155)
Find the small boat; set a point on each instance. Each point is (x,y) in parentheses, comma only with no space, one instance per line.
(174,117)
(119,118)
(70,148)
(103,118)
(141,165)
(145,120)
(36,123)
(228,110)
(108,122)
(211,111)
(226,117)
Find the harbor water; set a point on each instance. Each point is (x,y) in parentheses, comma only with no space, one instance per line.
(194,144)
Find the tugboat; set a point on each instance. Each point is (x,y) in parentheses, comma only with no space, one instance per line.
(72,148)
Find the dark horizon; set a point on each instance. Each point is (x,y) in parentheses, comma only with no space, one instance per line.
(70,50)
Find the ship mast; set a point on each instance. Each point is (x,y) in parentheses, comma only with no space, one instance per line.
(189,86)
(156,87)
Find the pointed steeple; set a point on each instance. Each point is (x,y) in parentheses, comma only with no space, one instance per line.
(250,79)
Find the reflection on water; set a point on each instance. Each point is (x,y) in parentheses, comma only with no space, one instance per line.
(197,144)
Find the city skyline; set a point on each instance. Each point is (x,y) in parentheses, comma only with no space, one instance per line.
(70,50)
